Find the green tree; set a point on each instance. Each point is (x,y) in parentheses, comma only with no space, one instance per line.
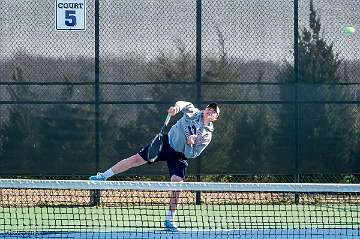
(245,142)
(19,135)
(252,142)
(325,130)
(52,139)
(67,137)
(148,119)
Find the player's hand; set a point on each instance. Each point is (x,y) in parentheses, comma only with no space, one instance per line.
(192,139)
(173,110)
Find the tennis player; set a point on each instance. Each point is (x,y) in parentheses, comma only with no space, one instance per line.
(186,139)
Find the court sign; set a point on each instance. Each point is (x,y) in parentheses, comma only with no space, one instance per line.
(70,15)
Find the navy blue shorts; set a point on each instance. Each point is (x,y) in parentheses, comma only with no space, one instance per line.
(176,161)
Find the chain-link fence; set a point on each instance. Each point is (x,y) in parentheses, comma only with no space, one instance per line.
(286,74)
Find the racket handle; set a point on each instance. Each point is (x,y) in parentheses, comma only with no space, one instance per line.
(167,119)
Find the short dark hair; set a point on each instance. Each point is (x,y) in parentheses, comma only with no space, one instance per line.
(214,106)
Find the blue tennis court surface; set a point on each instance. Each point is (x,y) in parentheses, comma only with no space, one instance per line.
(202,234)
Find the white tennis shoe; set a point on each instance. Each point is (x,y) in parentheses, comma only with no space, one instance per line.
(98,177)
(170,226)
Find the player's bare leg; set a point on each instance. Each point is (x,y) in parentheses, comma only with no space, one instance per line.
(174,201)
(120,167)
(128,163)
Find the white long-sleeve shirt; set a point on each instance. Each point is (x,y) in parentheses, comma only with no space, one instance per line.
(191,123)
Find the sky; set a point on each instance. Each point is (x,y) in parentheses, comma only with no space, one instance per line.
(250,29)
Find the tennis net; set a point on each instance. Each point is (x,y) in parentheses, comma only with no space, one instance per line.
(127,209)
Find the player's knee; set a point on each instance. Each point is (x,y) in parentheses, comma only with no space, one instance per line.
(137,160)
(175,178)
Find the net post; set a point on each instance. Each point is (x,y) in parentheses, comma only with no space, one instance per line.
(198,193)
(95,197)
(297,180)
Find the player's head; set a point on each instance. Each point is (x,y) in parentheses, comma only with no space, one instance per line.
(212,112)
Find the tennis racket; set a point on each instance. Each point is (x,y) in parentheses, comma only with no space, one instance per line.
(157,143)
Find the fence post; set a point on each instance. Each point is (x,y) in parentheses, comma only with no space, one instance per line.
(296,104)
(198,83)
(96,193)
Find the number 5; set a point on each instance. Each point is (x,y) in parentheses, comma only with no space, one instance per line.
(70,18)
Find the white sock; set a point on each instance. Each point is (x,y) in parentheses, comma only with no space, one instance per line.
(170,216)
(108,173)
